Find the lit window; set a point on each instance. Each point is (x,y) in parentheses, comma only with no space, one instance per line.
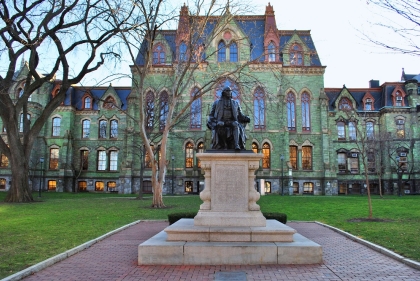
(266,156)
(306,157)
(84,160)
(164,108)
(293,152)
(182,52)
(113,132)
(188,186)
(102,129)
(99,186)
(370,134)
(158,54)
(101,160)
(195,116)
(295,188)
(189,155)
(255,147)
(150,110)
(271,52)
(267,186)
(4,161)
(82,185)
(291,112)
(345,104)
(111,186)
(56,124)
(221,52)
(113,160)
(352,131)
(296,55)
(200,149)
(52,185)
(400,128)
(54,154)
(259,109)
(308,187)
(233,49)
(306,119)
(2,183)
(85,128)
(342,162)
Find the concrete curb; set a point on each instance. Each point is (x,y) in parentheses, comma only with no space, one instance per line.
(375,247)
(48,262)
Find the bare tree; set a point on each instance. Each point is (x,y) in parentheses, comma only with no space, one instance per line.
(404,23)
(64,40)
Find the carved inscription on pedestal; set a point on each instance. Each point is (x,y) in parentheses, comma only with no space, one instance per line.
(229,188)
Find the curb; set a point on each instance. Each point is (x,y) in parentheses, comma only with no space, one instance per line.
(375,247)
(48,262)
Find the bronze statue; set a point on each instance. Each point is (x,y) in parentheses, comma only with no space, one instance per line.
(227,123)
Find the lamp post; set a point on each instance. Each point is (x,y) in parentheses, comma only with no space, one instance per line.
(173,158)
(41,160)
(281,180)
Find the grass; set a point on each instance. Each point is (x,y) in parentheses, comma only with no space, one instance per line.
(33,232)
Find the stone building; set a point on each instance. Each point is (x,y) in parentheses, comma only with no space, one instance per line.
(314,139)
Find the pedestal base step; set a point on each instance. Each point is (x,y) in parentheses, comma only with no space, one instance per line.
(185,230)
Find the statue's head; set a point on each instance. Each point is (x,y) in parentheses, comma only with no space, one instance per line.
(227,92)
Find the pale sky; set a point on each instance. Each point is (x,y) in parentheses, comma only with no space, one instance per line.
(336,27)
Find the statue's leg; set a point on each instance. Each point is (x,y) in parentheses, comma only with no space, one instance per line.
(235,132)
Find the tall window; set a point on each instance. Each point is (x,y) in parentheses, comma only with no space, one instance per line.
(296,55)
(102,129)
(352,131)
(148,159)
(4,161)
(354,163)
(233,50)
(164,108)
(345,104)
(371,161)
(182,52)
(189,155)
(400,128)
(370,134)
(101,160)
(158,54)
(291,111)
(341,131)
(342,162)
(113,160)
(221,52)
(113,132)
(402,160)
(56,124)
(54,154)
(306,157)
(84,160)
(293,155)
(150,110)
(87,103)
(267,187)
(259,109)
(85,128)
(266,156)
(200,149)
(22,121)
(195,116)
(271,52)
(306,119)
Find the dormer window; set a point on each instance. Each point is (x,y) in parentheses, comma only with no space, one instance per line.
(398,101)
(159,54)
(345,104)
(398,97)
(87,103)
(368,104)
(296,55)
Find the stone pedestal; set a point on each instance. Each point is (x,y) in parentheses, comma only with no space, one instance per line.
(229,227)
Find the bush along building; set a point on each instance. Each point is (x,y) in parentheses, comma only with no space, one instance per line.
(314,140)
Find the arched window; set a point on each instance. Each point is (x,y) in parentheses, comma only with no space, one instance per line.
(85,128)
(307,157)
(293,156)
(233,50)
(159,54)
(266,156)
(291,111)
(259,109)
(195,110)
(56,124)
(109,103)
(182,52)
(271,52)
(200,149)
(221,52)
(102,129)
(306,115)
(189,155)
(54,156)
(113,131)
(101,163)
(228,83)
(113,160)
(345,104)
(164,108)
(84,159)
(370,134)
(255,147)
(296,55)
(352,131)
(398,99)
(341,131)
(150,110)
(87,103)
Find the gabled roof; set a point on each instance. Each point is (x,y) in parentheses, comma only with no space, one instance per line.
(97,93)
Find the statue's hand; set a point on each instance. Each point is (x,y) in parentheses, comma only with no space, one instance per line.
(220,123)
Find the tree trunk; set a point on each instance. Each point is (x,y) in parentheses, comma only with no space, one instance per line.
(19,191)
(157,194)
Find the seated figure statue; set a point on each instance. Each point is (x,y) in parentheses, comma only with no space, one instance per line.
(227,123)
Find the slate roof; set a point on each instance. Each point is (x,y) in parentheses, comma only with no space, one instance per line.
(74,96)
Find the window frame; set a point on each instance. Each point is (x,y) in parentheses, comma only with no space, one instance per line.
(233,52)
(113,128)
(84,159)
(189,155)
(341,130)
(307,162)
(293,156)
(52,185)
(296,55)
(266,151)
(54,158)
(159,55)
(259,108)
(4,161)
(102,129)
(99,186)
(101,160)
(85,128)
(113,160)
(55,129)
(291,111)
(221,51)
(306,112)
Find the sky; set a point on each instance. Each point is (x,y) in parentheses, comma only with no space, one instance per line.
(337,28)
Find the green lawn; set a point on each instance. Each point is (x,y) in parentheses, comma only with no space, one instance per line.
(33,232)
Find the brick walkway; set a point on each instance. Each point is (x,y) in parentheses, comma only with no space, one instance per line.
(115,258)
